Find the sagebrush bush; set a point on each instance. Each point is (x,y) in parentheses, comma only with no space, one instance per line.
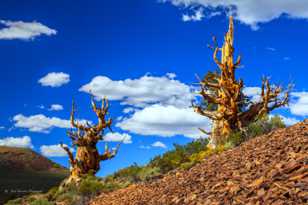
(90,186)
(261,126)
(130,173)
(235,138)
(148,172)
(198,157)
(114,184)
(41,202)
(187,165)
(79,195)
(15,202)
(68,198)
(180,155)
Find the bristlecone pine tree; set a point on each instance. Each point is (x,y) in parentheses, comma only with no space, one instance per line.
(223,100)
(84,139)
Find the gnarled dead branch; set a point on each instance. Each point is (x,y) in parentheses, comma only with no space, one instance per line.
(222,93)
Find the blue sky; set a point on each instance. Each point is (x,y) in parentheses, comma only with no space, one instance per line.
(143,55)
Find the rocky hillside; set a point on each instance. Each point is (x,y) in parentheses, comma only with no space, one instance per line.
(23,171)
(270,169)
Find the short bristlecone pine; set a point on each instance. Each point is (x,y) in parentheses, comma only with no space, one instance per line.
(84,139)
(223,100)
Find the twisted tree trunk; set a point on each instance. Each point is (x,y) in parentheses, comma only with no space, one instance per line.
(224,91)
(85,138)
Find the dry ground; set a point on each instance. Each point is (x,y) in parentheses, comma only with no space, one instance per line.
(270,169)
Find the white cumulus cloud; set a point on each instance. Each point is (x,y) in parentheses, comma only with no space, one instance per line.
(56,107)
(128,110)
(39,122)
(142,91)
(53,150)
(197,16)
(24,141)
(159,144)
(249,12)
(42,123)
(165,121)
(24,30)
(54,79)
(253,93)
(299,103)
(118,137)
(171,75)
(157,105)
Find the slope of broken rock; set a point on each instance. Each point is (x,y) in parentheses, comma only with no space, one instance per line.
(269,169)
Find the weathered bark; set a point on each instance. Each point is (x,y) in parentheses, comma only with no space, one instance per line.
(225,91)
(85,138)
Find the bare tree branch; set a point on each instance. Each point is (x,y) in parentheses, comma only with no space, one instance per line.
(69,153)
(73,122)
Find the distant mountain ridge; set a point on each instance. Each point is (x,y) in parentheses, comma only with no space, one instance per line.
(23,171)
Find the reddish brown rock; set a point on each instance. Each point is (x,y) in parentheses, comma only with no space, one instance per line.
(270,169)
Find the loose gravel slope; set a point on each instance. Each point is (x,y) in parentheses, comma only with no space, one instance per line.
(270,169)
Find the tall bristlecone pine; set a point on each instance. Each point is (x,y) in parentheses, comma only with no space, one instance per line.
(222,95)
(84,139)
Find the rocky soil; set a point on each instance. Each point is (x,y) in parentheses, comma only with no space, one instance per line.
(270,169)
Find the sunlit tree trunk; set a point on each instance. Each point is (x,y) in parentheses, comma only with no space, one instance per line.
(85,138)
(233,110)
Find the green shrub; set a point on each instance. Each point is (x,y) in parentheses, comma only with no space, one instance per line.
(15,202)
(180,155)
(198,157)
(90,186)
(71,188)
(261,126)
(234,139)
(111,185)
(75,195)
(68,198)
(148,172)
(130,174)
(276,122)
(187,165)
(41,202)
(255,129)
